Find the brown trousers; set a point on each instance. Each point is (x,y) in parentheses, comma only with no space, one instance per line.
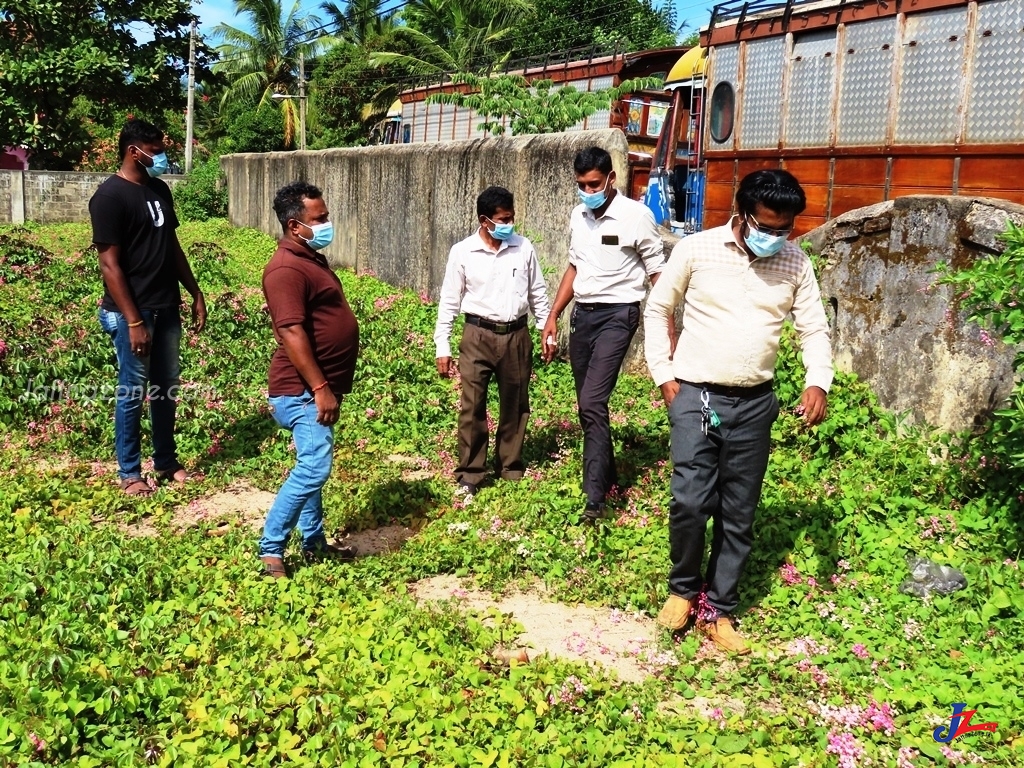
(509,359)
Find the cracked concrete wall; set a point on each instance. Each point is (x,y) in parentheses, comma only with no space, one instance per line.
(893,326)
(397,210)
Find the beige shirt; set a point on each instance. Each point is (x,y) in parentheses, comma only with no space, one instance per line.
(733,308)
(498,286)
(614,254)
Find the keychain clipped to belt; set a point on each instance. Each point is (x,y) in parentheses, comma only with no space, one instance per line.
(707,416)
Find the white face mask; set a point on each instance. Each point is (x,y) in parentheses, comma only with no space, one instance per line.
(763,244)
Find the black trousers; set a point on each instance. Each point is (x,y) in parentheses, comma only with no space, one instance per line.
(507,358)
(717,476)
(598,341)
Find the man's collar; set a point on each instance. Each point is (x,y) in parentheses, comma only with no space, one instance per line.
(609,212)
(301,250)
(483,245)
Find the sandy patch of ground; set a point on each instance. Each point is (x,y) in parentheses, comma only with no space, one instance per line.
(625,643)
(242,505)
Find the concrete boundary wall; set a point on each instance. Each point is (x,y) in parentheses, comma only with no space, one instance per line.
(50,197)
(398,209)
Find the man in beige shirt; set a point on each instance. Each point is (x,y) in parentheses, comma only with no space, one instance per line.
(736,284)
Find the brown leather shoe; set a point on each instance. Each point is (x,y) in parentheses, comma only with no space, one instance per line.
(675,614)
(274,567)
(725,636)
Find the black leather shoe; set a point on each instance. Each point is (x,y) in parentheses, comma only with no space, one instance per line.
(593,511)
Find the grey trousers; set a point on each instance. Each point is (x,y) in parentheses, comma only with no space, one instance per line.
(508,358)
(717,476)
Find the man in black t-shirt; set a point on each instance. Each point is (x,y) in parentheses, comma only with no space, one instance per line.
(142,263)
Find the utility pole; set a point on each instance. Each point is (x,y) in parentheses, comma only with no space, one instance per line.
(302,102)
(190,117)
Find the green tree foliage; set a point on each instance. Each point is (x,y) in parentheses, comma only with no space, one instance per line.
(359,22)
(263,58)
(991,292)
(251,127)
(444,36)
(54,53)
(626,25)
(345,83)
(537,107)
(203,195)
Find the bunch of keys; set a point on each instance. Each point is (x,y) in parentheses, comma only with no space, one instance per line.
(707,416)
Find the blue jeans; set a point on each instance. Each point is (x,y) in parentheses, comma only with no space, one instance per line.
(160,371)
(300,500)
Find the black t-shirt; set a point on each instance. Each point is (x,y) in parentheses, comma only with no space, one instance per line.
(140,219)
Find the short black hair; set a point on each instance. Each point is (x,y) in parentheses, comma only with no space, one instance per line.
(591,159)
(776,190)
(288,202)
(137,132)
(493,198)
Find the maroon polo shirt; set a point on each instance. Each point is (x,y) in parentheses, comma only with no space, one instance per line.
(301,289)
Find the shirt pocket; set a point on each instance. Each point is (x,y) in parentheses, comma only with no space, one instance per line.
(772,291)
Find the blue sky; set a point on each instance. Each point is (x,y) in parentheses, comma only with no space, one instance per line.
(213,12)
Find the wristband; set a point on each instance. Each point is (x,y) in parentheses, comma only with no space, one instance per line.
(136,324)
(318,387)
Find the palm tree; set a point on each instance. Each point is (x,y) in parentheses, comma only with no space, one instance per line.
(265,61)
(447,36)
(360,22)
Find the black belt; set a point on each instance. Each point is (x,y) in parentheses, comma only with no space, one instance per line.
(591,306)
(726,391)
(499,328)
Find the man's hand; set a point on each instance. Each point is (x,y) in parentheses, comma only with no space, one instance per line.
(198,312)
(550,339)
(140,340)
(812,406)
(445,367)
(326,407)
(669,390)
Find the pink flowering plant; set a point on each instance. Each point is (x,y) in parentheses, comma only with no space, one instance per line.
(139,631)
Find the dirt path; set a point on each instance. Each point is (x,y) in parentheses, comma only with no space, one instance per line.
(625,643)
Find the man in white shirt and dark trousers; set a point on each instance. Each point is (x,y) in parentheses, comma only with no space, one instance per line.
(615,246)
(494,278)
(736,285)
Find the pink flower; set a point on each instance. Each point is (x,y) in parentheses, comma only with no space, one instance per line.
(905,758)
(38,743)
(845,747)
(789,575)
(860,651)
(370,413)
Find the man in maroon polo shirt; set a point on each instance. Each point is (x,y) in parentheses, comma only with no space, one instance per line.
(311,370)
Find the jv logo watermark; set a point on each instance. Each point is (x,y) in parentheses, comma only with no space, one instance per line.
(960,725)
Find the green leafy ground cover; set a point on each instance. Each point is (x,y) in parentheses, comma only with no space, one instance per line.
(173,651)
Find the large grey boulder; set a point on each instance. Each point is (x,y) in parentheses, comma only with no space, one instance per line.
(898,330)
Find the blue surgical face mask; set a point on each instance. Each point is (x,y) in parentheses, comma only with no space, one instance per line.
(594,200)
(501,231)
(159,166)
(763,244)
(323,234)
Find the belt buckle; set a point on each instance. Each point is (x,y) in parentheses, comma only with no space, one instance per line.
(501,327)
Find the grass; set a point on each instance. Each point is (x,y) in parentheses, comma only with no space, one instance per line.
(173,651)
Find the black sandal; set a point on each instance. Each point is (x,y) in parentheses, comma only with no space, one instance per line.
(171,475)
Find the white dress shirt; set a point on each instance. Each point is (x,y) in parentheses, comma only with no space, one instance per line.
(733,310)
(614,254)
(497,286)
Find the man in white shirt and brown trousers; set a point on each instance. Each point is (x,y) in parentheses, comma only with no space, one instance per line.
(615,247)
(494,278)
(736,285)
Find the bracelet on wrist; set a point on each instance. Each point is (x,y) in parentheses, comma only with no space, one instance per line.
(136,324)
(319,386)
